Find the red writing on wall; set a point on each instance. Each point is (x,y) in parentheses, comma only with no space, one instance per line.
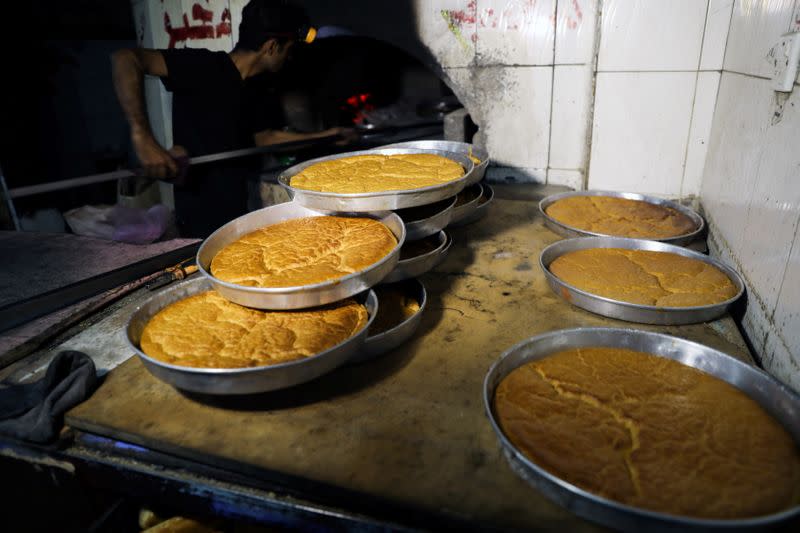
(205,30)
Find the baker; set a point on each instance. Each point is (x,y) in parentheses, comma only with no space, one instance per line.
(213,110)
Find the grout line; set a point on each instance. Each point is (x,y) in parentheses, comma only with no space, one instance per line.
(552,94)
(598,24)
(746,74)
(693,108)
(728,35)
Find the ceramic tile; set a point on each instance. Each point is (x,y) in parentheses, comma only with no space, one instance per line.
(572,93)
(448,29)
(641,123)
(515,113)
(705,98)
(756,25)
(575,31)
(642,35)
(571,178)
(515,32)
(718,21)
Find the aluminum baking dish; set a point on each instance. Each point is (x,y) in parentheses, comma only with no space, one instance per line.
(481,208)
(460,212)
(380,343)
(302,296)
(227,381)
(377,201)
(569,231)
(435,217)
(647,314)
(451,146)
(775,397)
(418,265)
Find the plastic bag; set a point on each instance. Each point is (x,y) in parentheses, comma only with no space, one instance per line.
(124,224)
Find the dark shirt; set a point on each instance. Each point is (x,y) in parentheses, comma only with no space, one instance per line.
(213,110)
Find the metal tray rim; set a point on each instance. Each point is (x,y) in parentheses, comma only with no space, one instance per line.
(416,227)
(285,176)
(736,278)
(480,210)
(443,238)
(380,216)
(488,395)
(230,371)
(461,212)
(699,221)
(391,330)
(480,153)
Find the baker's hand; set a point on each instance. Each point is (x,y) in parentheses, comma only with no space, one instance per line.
(156,162)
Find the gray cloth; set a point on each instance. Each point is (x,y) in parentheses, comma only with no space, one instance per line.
(35,411)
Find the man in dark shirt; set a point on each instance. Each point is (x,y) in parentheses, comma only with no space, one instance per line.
(212,110)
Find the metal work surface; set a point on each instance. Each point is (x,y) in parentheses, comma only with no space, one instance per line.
(648,314)
(407,428)
(775,397)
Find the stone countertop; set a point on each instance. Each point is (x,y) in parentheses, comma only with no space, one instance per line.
(408,428)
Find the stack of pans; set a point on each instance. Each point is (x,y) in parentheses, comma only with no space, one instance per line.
(774,397)
(427,211)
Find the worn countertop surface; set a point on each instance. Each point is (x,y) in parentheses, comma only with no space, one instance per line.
(408,428)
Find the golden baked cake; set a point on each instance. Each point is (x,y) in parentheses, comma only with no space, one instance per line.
(207,331)
(303,251)
(659,279)
(394,308)
(650,432)
(376,173)
(620,217)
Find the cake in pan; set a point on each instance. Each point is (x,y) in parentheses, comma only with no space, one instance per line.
(303,251)
(620,217)
(207,331)
(660,279)
(378,173)
(649,432)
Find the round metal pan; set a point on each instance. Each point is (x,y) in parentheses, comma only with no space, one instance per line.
(302,296)
(460,212)
(451,146)
(647,314)
(481,208)
(380,343)
(377,201)
(569,231)
(418,265)
(227,381)
(775,397)
(437,217)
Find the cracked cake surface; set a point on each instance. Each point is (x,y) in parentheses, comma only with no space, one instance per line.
(660,279)
(620,217)
(207,331)
(303,251)
(376,173)
(650,432)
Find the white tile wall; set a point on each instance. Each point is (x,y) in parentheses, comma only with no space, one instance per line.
(645,35)
(515,103)
(756,26)
(705,98)
(718,20)
(641,124)
(515,32)
(751,196)
(570,178)
(572,93)
(787,321)
(575,31)
(448,29)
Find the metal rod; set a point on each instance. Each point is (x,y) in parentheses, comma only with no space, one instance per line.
(199,160)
